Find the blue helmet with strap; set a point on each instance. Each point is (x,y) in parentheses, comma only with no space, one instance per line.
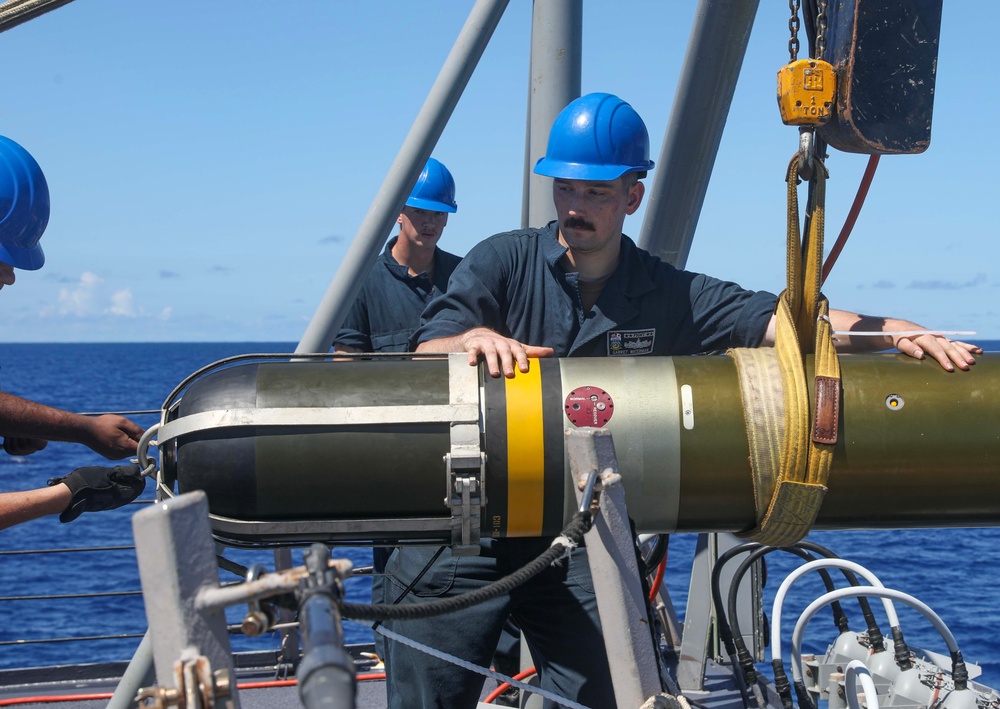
(596,137)
(24,207)
(435,189)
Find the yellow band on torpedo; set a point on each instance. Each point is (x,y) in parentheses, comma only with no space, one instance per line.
(525,453)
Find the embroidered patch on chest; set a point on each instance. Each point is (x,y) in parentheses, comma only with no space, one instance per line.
(626,343)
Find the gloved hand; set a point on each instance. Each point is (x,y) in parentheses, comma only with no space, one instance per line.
(21,446)
(95,488)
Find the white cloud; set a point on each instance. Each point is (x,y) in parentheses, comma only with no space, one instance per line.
(121,304)
(79,301)
(91,298)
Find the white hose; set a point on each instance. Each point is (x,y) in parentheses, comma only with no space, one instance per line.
(827,598)
(779,597)
(856,670)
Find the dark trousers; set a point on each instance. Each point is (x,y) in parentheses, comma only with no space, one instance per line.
(556,611)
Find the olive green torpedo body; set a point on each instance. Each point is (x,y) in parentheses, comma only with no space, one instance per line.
(360,449)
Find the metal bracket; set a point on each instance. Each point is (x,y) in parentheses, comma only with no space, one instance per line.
(466,498)
(195,687)
(465,463)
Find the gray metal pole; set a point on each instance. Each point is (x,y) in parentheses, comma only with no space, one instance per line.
(556,50)
(621,600)
(416,148)
(173,543)
(712,64)
(138,674)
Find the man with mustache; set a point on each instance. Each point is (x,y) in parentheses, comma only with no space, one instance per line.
(577,287)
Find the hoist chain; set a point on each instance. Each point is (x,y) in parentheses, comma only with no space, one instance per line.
(821,30)
(793,28)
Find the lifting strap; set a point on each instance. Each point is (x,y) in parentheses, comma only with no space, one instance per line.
(791,446)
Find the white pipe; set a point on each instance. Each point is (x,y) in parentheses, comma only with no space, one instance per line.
(853,592)
(779,597)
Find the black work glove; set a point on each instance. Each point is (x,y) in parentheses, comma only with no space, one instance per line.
(95,488)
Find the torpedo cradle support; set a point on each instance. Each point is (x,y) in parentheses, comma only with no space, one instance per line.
(373,450)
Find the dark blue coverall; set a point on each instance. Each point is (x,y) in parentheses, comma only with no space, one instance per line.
(382,319)
(513,283)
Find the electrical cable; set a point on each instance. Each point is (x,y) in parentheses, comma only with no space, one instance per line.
(414,582)
(779,598)
(959,672)
(875,636)
(574,532)
(657,548)
(741,656)
(661,571)
(743,682)
(852,217)
(781,683)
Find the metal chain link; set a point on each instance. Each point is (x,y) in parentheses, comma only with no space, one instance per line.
(821,30)
(793,28)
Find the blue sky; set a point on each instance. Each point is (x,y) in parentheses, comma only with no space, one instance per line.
(209,163)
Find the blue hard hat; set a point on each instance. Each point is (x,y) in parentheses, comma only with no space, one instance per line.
(435,189)
(24,207)
(596,137)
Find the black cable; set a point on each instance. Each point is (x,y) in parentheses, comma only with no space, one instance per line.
(733,641)
(725,633)
(744,657)
(575,530)
(657,551)
(414,582)
(875,636)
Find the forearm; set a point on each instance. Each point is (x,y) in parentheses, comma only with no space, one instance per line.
(843,321)
(455,343)
(907,337)
(18,507)
(28,419)
(345,349)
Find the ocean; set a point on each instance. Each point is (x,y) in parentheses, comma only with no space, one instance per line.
(952,570)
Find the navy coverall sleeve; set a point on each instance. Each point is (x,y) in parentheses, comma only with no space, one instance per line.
(727,315)
(356,330)
(470,301)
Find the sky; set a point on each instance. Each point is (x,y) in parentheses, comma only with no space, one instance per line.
(210,162)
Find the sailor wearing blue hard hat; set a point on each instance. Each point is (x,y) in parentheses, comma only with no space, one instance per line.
(411,271)
(24,211)
(435,189)
(26,426)
(596,137)
(576,287)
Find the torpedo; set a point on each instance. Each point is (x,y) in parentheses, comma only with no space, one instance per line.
(363,450)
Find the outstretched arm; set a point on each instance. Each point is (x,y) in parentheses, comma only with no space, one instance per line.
(499,352)
(112,436)
(948,353)
(90,489)
(17,507)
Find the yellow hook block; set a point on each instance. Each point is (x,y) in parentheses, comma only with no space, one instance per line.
(805,92)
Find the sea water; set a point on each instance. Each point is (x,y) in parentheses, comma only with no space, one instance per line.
(954,571)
